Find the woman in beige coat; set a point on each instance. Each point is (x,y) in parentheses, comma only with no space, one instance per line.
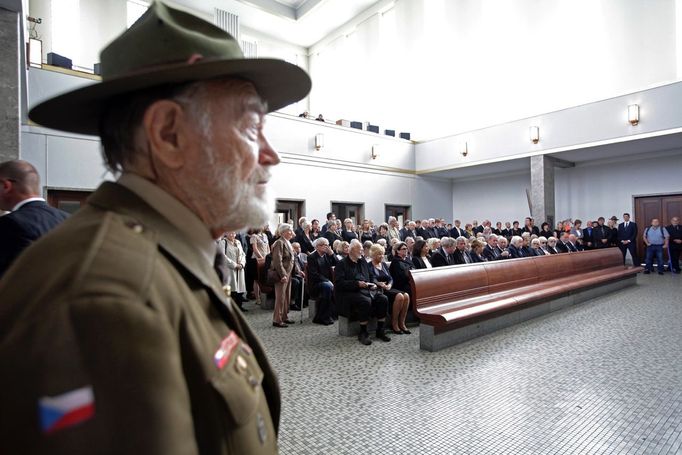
(283,265)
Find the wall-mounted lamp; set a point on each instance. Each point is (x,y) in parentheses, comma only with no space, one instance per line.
(534,134)
(319,141)
(465,149)
(35,53)
(633,114)
(375,152)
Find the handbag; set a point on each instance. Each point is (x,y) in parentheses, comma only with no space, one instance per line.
(273,277)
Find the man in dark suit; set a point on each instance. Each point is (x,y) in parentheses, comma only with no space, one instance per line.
(600,234)
(408,231)
(674,244)
(320,285)
(30,216)
(457,231)
(461,254)
(444,254)
(492,252)
(441,230)
(530,226)
(356,293)
(627,234)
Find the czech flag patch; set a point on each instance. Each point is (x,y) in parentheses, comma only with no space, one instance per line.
(66,410)
(227,346)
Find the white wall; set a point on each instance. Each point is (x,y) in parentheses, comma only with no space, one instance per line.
(586,191)
(441,66)
(560,130)
(498,198)
(606,188)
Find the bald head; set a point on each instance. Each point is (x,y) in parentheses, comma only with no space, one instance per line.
(19,180)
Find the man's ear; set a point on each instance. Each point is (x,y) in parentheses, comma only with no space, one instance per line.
(166,128)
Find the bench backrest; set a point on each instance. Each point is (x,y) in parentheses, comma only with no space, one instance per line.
(447,284)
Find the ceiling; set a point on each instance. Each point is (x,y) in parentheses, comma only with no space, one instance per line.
(639,148)
(299,22)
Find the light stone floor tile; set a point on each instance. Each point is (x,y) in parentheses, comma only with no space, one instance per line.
(601,377)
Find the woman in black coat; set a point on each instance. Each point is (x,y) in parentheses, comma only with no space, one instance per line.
(400,268)
(420,255)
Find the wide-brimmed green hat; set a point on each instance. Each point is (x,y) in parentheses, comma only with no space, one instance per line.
(169,46)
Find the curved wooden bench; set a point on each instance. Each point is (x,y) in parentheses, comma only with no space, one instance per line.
(456,303)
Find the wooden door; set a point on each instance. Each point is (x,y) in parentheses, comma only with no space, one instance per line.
(650,207)
(67,200)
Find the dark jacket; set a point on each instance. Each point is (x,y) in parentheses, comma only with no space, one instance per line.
(516,252)
(305,242)
(319,270)
(491,254)
(418,263)
(440,258)
(460,257)
(400,271)
(347,276)
(21,228)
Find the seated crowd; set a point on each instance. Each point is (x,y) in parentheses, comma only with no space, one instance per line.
(362,271)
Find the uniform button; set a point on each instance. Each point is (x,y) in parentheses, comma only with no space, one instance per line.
(241,365)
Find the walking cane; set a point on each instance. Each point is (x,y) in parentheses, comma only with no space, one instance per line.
(302,296)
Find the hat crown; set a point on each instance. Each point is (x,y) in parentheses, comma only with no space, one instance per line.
(166,36)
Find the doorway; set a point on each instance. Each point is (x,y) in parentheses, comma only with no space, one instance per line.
(663,207)
(353,210)
(288,210)
(68,200)
(400,212)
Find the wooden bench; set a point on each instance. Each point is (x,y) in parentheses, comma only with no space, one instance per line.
(457,303)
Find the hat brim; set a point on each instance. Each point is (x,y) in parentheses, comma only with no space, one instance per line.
(278,83)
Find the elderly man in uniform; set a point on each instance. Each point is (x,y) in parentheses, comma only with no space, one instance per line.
(115,334)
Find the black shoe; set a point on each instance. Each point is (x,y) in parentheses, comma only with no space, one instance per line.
(289,321)
(295,308)
(381,335)
(397,332)
(660,273)
(329,322)
(363,338)
(315,321)
(281,325)
(406,332)
(646,272)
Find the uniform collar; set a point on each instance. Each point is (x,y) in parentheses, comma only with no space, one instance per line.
(173,237)
(174,211)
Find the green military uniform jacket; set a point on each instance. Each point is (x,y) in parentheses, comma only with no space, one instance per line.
(117,308)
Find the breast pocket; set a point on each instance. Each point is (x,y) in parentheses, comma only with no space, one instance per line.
(237,377)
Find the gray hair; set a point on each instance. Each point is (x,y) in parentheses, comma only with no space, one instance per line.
(447,242)
(461,238)
(516,240)
(283,228)
(320,241)
(304,224)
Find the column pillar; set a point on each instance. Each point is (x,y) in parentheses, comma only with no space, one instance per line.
(10,118)
(542,189)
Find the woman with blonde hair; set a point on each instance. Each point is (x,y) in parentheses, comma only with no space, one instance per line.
(398,301)
(280,274)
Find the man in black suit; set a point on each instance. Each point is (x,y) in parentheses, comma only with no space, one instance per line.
(674,244)
(627,234)
(461,254)
(600,234)
(457,231)
(444,254)
(330,216)
(492,251)
(356,293)
(531,227)
(30,216)
(410,230)
(516,248)
(319,276)
(507,231)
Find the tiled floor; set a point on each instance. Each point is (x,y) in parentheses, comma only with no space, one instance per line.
(603,377)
